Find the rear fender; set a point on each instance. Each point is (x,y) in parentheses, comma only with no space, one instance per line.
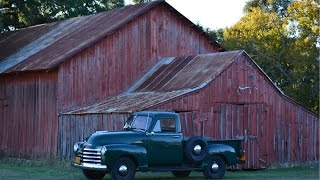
(228,153)
(116,151)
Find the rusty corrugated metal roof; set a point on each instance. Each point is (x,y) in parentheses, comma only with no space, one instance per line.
(176,73)
(171,78)
(46,46)
(128,102)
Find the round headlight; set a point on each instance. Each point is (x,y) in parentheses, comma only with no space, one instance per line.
(103,150)
(75,147)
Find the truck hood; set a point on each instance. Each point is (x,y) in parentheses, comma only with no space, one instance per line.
(101,138)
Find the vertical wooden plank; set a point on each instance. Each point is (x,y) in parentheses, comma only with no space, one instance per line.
(226,123)
(232,121)
(259,112)
(246,124)
(314,138)
(238,121)
(299,135)
(186,130)
(307,137)
(222,112)
(193,124)
(289,144)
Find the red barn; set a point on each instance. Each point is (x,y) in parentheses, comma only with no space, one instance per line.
(51,68)
(59,82)
(220,95)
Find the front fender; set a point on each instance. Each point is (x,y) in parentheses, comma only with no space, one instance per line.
(226,151)
(115,151)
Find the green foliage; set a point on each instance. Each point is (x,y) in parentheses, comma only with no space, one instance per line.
(283,38)
(216,35)
(279,6)
(24,13)
(141,1)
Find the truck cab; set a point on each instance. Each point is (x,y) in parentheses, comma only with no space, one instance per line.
(153,141)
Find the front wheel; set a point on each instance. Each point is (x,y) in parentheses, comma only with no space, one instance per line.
(181,174)
(123,169)
(93,175)
(216,168)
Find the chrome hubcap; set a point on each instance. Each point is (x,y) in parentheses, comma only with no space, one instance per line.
(197,149)
(215,167)
(123,170)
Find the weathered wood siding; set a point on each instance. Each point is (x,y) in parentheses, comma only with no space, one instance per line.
(28,116)
(279,130)
(113,64)
(75,128)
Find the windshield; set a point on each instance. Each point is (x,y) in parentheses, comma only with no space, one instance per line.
(138,122)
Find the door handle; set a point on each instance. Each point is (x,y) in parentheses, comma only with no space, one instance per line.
(176,136)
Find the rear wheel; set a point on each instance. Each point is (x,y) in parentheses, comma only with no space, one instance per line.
(216,168)
(92,174)
(181,173)
(123,169)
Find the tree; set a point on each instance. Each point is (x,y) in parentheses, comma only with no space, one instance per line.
(214,34)
(16,14)
(278,6)
(141,1)
(283,38)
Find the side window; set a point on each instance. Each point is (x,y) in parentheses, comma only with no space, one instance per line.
(165,125)
(157,127)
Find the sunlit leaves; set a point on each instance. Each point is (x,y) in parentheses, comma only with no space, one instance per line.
(283,37)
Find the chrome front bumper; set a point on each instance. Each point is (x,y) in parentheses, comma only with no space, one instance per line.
(90,166)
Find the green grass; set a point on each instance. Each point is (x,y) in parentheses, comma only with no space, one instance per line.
(14,169)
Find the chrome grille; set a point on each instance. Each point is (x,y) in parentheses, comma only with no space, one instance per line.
(90,156)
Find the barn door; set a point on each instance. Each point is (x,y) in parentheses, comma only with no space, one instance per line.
(245,121)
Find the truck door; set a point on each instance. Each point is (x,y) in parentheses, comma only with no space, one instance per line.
(165,147)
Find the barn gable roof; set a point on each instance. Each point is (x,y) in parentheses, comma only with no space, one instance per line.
(171,78)
(44,47)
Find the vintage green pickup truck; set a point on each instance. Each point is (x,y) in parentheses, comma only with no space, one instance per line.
(153,141)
